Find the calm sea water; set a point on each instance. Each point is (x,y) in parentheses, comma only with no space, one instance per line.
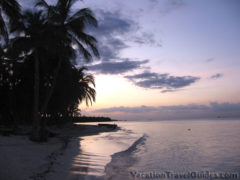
(163,150)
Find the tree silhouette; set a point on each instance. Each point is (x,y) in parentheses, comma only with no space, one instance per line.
(70,30)
(49,38)
(73,87)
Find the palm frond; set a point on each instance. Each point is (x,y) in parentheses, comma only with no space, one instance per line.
(42,3)
(90,41)
(86,54)
(63,9)
(85,16)
(3,28)
(87,39)
(51,11)
(11,8)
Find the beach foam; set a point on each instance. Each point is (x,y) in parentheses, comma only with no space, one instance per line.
(119,166)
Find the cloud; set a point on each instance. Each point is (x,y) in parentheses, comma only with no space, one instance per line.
(112,29)
(171,5)
(144,109)
(214,106)
(216,76)
(210,59)
(113,34)
(161,81)
(128,109)
(214,110)
(109,51)
(227,107)
(27,4)
(117,67)
(146,39)
(113,23)
(168,90)
(154,1)
(110,26)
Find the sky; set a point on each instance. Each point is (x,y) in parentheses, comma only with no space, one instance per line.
(165,59)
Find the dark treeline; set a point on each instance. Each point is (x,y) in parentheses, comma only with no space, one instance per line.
(38,53)
(91,119)
(81,119)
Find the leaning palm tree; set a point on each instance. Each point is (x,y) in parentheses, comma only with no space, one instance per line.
(86,87)
(11,10)
(73,87)
(83,90)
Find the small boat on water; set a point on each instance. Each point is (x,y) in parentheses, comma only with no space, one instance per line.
(112,126)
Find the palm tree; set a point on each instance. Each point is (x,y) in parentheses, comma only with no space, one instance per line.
(88,93)
(11,9)
(70,28)
(83,90)
(33,44)
(73,87)
(51,35)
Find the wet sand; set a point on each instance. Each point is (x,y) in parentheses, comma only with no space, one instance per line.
(22,159)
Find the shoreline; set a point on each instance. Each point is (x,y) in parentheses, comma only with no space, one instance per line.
(23,159)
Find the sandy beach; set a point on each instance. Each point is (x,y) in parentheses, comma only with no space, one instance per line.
(22,159)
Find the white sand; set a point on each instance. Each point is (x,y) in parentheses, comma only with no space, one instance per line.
(22,159)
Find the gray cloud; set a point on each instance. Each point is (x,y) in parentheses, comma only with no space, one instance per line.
(216,76)
(210,59)
(171,5)
(146,39)
(214,110)
(226,107)
(113,34)
(168,90)
(137,109)
(110,34)
(113,23)
(154,1)
(116,67)
(214,106)
(109,51)
(144,108)
(161,81)
(27,4)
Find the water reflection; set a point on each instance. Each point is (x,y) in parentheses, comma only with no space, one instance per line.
(96,151)
(170,146)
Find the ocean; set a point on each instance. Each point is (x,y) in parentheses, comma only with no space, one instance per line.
(176,149)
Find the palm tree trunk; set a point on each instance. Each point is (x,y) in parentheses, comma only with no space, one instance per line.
(36,135)
(50,93)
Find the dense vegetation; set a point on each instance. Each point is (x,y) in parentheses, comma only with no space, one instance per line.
(60,120)
(38,53)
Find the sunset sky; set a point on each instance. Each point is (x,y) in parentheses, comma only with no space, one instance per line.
(165,59)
